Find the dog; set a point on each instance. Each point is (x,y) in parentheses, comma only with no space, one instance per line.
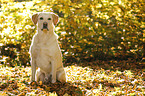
(44,50)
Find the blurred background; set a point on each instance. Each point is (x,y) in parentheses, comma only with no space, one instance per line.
(88,30)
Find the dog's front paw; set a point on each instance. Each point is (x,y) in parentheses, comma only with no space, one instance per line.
(53,81)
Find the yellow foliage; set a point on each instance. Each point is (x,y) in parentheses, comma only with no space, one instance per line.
(85,28)
(53,94)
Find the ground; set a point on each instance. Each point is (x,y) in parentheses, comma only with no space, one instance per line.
(98,78)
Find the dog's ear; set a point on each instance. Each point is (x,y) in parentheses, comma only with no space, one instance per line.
(35,18)
(55,19)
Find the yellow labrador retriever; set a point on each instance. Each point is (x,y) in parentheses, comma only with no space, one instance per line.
(45,51)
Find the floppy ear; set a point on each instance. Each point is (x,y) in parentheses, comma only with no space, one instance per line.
(55,19)
(35,18)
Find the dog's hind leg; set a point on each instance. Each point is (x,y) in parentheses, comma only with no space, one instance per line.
(61,76)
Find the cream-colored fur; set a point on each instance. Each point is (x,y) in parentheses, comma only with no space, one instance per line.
(45,51)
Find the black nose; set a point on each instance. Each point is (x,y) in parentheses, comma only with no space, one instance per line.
(45,25)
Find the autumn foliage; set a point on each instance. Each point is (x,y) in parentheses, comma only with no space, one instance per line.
(88,29)
(101,42)
(103,79)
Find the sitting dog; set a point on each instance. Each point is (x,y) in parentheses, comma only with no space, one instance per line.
(44,50)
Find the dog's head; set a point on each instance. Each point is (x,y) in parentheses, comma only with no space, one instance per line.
(45,20)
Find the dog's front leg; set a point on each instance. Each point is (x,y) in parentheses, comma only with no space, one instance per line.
(53,73)
(33,53)
(33,69)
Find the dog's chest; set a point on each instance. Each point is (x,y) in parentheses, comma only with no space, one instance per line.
(43,59)
(43,49)
(43,39)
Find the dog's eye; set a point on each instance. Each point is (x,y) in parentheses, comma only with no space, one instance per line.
(49,18)
(41,18)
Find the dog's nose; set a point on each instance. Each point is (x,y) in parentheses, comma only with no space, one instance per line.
(45,25)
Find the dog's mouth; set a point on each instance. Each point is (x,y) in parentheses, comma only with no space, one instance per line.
(45,29)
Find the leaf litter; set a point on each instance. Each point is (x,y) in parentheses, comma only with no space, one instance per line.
(82,80)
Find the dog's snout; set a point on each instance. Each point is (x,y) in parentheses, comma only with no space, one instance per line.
(45,25)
